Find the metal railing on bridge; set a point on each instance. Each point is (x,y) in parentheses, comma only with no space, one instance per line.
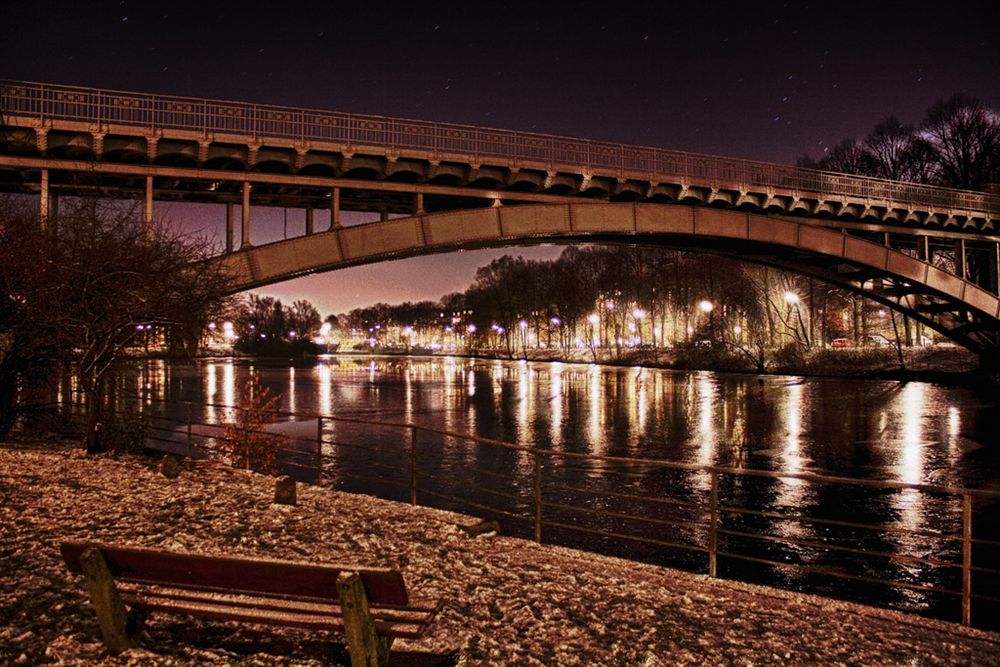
(257,122)
(700,517)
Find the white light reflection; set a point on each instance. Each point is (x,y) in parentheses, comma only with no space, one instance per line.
(291,389)
(210,389)
(228,387)
(556,404)
(910,502)
(597,441)
(791,493)
(324,395)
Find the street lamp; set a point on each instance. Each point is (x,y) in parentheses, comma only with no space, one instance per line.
(791,298)
(706,306)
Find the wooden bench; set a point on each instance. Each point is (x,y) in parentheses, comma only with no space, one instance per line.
(369,606)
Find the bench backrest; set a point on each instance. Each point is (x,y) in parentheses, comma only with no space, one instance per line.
(384,587)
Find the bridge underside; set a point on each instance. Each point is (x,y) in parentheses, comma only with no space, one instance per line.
(957,308)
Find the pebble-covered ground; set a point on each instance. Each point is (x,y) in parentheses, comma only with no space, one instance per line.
(507,601)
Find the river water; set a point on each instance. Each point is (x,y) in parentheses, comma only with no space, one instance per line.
(909,432)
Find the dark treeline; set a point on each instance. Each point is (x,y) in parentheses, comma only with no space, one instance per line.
(957,145)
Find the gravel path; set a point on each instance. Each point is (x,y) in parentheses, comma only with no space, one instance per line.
(508,601)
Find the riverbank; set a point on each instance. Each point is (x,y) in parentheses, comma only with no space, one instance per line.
(507,601)
(941,364)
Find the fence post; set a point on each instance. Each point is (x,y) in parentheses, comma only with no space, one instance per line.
(538,497)
(319,449)
(413,465)
(189,420)
(713,532)
(966,559)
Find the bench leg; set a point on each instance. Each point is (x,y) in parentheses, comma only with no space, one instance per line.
(365,647)
(111,613)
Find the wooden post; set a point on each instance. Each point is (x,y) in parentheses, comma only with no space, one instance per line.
(413,466)
(713,529)
(365,647)
(319,449)
(189,420)
(966,559)
(111,613)
(538,497)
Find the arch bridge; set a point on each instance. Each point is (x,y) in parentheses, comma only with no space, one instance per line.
(932,253)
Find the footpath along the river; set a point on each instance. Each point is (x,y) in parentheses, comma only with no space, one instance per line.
(508,601)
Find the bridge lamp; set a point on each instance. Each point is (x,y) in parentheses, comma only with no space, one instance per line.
(791,297)
(706,306)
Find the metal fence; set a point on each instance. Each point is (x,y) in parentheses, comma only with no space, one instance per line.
(101,108)
(698,517)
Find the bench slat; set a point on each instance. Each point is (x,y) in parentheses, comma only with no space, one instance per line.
(268,617)
(419,612)
(252,575)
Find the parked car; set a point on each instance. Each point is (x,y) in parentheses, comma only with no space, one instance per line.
(841,342)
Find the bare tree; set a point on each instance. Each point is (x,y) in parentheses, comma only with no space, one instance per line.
(964,137)
(97,282)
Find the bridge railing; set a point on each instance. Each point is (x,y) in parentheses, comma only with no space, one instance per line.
(101,107)
(734,522)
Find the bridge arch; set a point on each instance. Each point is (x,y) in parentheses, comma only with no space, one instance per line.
(957,308)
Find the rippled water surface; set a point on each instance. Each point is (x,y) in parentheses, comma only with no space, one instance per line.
(910,432)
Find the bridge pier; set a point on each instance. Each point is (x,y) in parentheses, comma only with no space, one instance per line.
(335,209)
(245,218)
(229,226)
(43,203)
(147,208)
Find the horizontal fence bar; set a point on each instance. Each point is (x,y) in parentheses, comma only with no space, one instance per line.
(816,569)
(729,509)
(628,517)
(836,547)
(621,536)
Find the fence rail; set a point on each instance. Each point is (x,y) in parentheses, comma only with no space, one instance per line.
(101,108)
(710,523)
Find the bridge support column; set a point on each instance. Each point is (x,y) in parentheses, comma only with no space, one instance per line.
(996,257)
(335,209)
(230,210)
(419,204)
(925,248)
(245,218)
(147,208)
(960,258)
(309,221)
(43,203)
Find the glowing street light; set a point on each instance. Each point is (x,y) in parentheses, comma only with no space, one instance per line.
(594,318)
(791,297)
(706,306)
(523,324)
(471,328)
(555,321)
(638,313)
(325,329)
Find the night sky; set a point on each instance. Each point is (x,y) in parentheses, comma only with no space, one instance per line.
(771,82)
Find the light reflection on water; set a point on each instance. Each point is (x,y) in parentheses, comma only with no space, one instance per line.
(913,432)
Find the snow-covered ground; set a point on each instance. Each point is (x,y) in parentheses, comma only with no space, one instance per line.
(507,601)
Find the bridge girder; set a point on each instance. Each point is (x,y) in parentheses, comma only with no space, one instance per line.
(944,302)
